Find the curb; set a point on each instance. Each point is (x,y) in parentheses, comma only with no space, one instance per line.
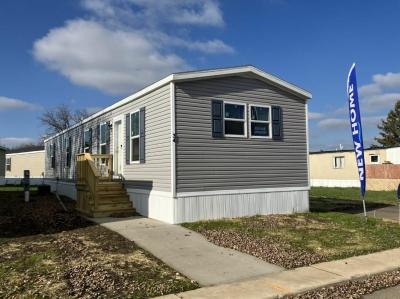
(300,280)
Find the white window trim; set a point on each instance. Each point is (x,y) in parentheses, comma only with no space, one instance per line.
(8,163)
(133,137)
(261,121)
(84,141)
(343,165)
(236,119)
(101,144)
(379,158)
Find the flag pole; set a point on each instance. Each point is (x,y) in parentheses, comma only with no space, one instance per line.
(364,207)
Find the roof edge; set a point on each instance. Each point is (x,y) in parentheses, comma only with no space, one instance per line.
(192,75)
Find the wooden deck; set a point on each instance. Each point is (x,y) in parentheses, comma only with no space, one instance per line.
(98,194)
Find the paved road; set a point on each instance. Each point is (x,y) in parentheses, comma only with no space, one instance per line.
(188,252)
(389,293)
(391,213)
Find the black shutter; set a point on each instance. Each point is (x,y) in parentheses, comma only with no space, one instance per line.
(90,140)
(108,139)
(53,158)
(69,152)
(98,138)
(142,149)
(127,139)
(83,140)
(217,118)
(277,123)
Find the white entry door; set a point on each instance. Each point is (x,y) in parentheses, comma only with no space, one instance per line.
(118,144)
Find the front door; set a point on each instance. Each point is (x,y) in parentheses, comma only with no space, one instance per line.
(118,155)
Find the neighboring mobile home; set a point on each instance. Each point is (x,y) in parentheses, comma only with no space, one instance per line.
(339,169)
(198,145)
(31,159)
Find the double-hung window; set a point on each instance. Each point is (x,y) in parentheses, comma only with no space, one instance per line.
(338,162)
(260,121)
(135,136)
(103,138)
(235,119)
(8,164)
(87,141)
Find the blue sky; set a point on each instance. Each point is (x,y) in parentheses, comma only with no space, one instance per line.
(91,53)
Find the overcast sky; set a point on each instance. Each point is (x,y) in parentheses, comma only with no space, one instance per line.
(91,53)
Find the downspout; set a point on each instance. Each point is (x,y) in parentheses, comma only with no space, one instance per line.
(173,141)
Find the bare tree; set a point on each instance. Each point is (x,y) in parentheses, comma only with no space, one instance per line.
(60,118)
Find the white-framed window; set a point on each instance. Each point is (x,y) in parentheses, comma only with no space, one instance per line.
(135,136)
(8,164)
(374,159)
(87,141)
(103,138)
(260,121)
(338,162)
(235,119)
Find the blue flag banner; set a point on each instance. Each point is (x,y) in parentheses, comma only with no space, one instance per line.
(355,125)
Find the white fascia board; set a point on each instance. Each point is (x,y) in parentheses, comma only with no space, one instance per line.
(25,153)
(241,70)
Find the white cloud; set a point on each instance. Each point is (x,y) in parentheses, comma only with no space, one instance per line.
(11,142)
(390,80)
(369,89)
(10,103)
(381,101)
(113,61)
(339,123)
(333,123)
(121,46)
(382,94)
(315,115)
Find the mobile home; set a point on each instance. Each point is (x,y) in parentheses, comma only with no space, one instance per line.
(19,160)
(195,145)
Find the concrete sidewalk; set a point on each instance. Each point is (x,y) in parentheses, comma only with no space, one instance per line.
(188,252)
(303,279)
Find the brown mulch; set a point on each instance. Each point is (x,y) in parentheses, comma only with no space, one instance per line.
(47,252)
(355,288)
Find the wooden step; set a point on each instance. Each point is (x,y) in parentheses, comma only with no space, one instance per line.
(116,213)
(112,206)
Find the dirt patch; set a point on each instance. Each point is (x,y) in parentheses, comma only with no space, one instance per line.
(46,252)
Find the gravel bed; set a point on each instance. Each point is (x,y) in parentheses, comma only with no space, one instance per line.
(355,288)
(267,248)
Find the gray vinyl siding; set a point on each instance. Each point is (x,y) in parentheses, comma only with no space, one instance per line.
(204,163)
(155,173)
(2,163)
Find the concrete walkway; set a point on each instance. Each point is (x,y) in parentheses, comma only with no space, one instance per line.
(296,281)
(188,252)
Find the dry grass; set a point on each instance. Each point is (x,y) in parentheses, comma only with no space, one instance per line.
(46,252)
